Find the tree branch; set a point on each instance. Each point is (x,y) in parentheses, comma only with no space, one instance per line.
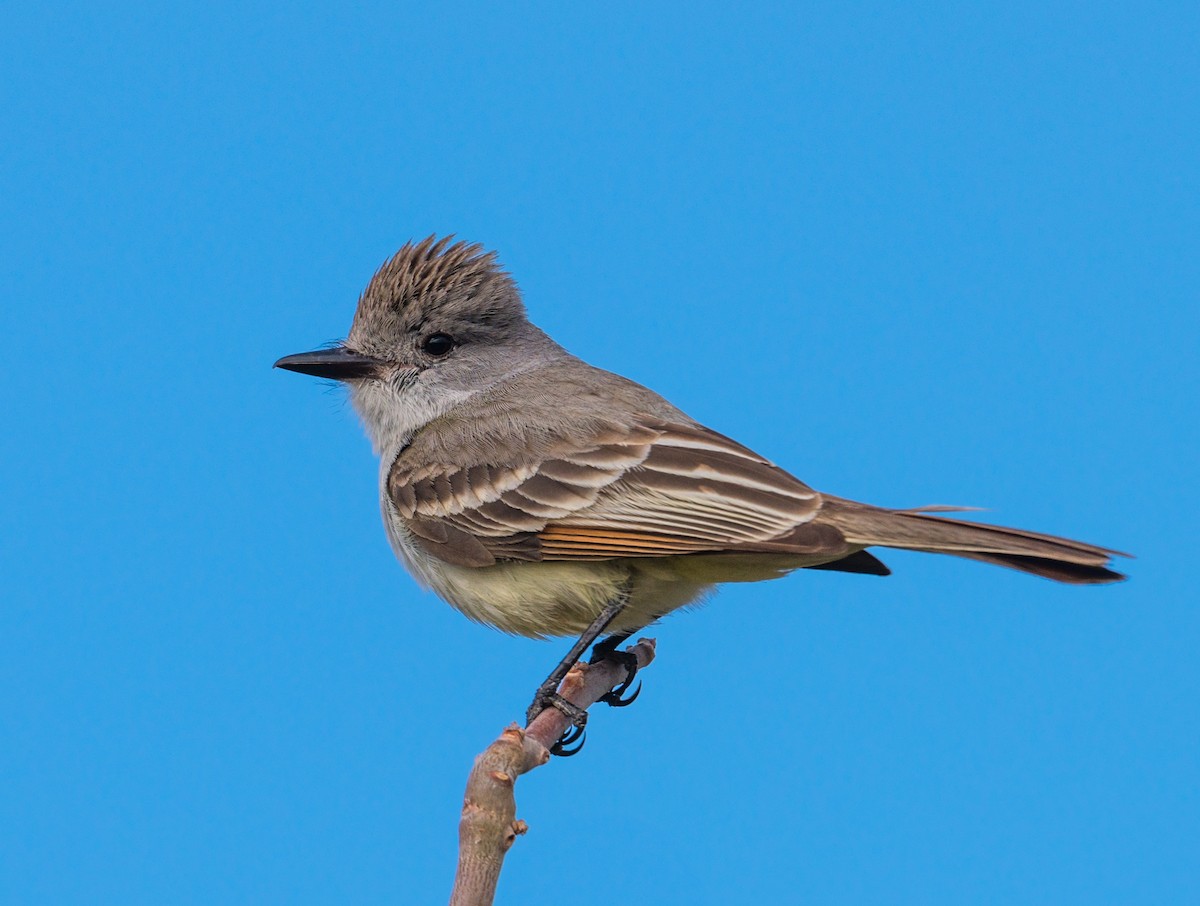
(489,823)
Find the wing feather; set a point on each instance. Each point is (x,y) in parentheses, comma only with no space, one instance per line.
(649,490)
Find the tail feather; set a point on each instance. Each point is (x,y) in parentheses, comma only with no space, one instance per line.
(1060,571)
(1032,552)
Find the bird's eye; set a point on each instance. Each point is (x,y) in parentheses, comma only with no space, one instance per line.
(438,344)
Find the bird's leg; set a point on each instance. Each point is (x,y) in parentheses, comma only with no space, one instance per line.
(607,650)
(547,696)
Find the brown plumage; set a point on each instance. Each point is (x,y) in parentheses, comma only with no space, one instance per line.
(531,490)
(1031,552)
(658,489)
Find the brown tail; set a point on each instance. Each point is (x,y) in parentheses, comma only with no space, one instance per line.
(1043,555)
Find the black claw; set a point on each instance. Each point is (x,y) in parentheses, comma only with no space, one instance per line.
(561,749)
(614,698)
(575,735)
(606,650)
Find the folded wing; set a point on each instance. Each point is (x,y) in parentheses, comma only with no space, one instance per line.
(661,489)
(649,490)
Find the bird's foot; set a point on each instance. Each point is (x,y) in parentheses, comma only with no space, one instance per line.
(607,651)
(571,741)
(576,737)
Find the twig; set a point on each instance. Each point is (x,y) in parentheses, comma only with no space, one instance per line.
(489,823)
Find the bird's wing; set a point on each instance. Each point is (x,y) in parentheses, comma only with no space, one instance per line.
(647,490)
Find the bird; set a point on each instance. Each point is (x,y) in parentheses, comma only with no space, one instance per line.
(543,496)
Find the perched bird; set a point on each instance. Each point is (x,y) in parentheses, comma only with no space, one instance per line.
(546,497)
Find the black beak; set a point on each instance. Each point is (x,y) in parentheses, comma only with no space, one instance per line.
(338,363)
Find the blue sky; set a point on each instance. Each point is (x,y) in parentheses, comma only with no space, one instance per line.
(919,253)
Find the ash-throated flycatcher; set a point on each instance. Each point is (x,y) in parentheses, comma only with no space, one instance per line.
(546,497)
